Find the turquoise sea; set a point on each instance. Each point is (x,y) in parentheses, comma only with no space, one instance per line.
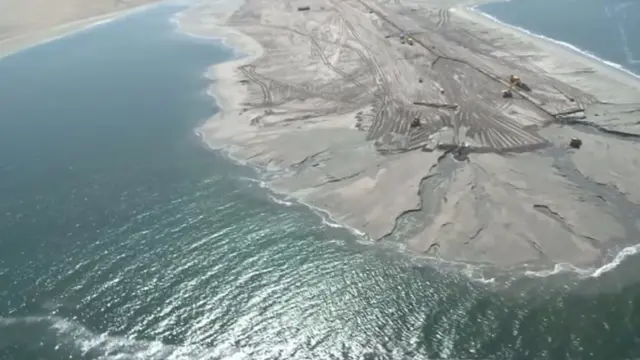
(123,237)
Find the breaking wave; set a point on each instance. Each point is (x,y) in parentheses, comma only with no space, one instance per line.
(69,339)
(588,272)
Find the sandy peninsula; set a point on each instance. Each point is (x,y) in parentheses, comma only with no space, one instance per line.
(24,23)
(414,143)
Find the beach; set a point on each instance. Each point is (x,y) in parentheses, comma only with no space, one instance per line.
(483,179)
(31,22)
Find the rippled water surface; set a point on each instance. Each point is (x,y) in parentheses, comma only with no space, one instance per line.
(122,237)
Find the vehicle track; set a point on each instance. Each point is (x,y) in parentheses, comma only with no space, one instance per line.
(443,18)
(314,42)
(249,72)
(383,87)
(486,73)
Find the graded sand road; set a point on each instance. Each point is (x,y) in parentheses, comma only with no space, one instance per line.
(24,23)
(326,99)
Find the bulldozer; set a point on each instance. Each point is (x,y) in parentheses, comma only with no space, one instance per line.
(405,39)
(514,80)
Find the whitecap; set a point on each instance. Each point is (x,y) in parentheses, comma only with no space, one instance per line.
(280,201)
(74,337)
(589,272)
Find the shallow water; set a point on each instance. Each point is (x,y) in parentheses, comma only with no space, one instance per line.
(122,237)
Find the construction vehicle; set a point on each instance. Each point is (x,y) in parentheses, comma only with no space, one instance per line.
(575,143)
(514,80)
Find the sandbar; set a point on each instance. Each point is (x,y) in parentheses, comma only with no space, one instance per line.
(414,143)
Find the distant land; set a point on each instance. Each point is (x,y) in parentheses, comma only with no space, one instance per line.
(27,22)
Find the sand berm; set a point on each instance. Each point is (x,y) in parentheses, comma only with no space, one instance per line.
(414,143)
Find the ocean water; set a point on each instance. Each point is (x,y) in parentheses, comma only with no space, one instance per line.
(123,237)
(607,29)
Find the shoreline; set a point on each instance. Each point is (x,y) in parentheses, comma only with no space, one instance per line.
(578,51)
(620,73)
(16,44)
(605,68)
(624,73)
(229,100)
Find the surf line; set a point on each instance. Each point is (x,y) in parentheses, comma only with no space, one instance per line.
(567,45)
(588,272)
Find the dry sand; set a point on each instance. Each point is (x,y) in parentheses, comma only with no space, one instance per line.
(24,23)
(324,100)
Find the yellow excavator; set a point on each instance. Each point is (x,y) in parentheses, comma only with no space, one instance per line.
(514,80)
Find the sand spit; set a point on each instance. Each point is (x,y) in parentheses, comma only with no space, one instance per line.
(25,23)
(325,101)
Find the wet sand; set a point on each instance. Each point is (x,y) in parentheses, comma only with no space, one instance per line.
(24,23)
(325,99)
